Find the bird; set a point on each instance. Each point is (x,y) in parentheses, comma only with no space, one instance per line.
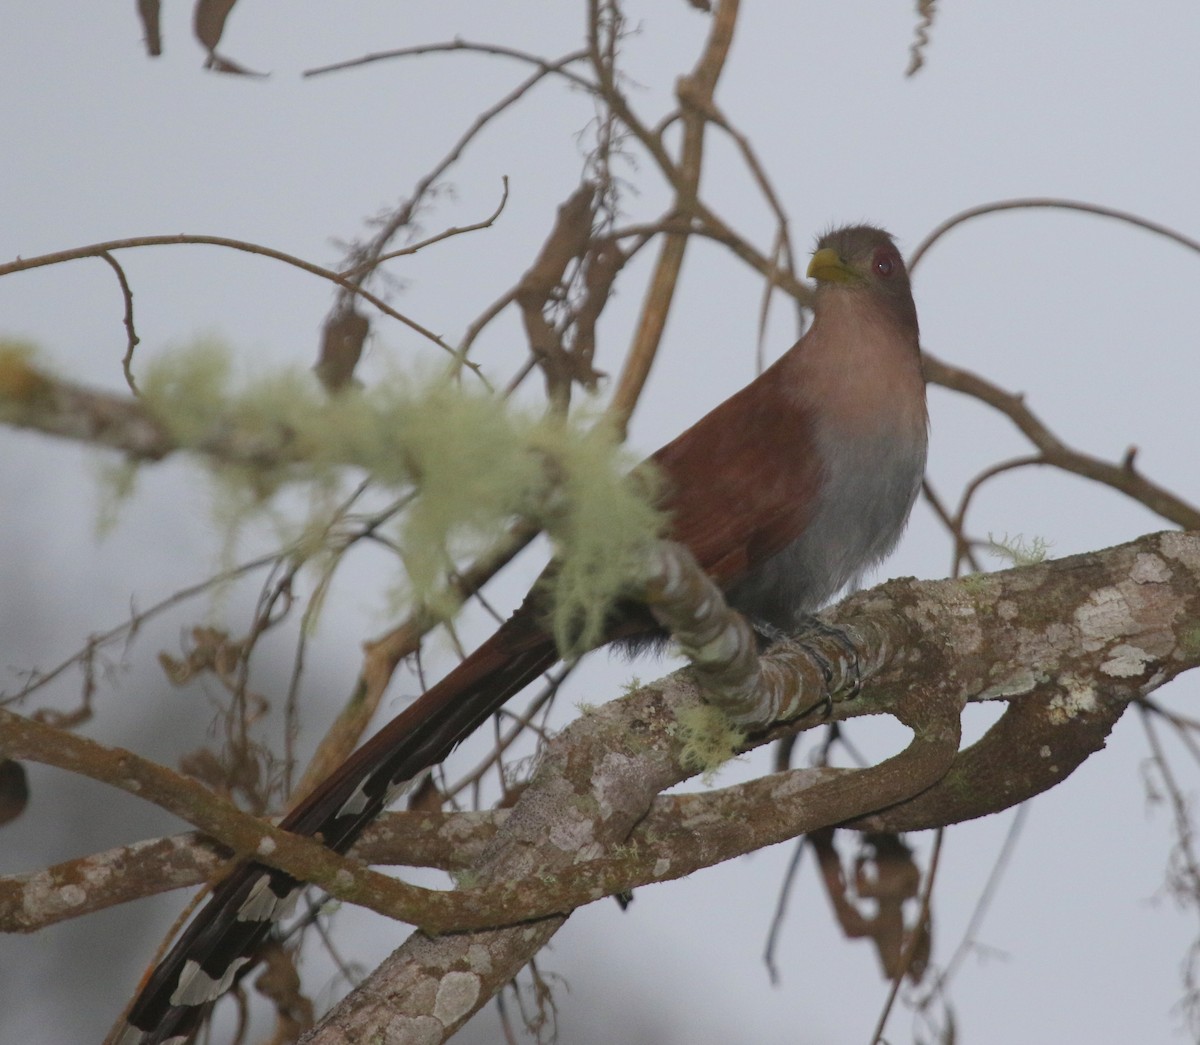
(785,494)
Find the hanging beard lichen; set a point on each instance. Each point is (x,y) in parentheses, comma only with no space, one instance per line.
(472,462)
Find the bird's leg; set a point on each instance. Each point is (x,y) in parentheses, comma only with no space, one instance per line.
(768,635)
(814,626)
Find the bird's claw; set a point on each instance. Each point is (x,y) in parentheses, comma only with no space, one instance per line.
(816,626)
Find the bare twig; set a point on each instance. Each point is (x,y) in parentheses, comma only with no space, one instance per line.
(695,93)
(457,230)
(128,628)
(131,338)
(963,548)
(1048,203)
(926,12)
(366,258)
(559,66)
(1123,476)
(99,249)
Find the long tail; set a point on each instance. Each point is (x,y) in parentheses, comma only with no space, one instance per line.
(210,954)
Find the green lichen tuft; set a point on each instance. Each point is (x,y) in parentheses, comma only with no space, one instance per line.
(601,525)
(186,390)
(117,484)
(468,462)
(709,739)
(465,877)
(1018,551)
(21,382)
(1189,640)
(974,583)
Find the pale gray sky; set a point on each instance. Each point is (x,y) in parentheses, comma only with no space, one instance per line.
(1093,320)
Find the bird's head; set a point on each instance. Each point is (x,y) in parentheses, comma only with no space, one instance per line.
(863,258)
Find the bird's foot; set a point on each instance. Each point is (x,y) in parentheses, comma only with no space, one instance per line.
(814,626)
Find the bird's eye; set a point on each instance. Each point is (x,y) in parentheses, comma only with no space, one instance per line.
(883,263)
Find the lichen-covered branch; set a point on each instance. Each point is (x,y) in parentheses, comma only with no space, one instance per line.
(1076,637)
(34,900)
(1067,644)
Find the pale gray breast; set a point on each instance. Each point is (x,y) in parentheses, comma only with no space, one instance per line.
(869,485)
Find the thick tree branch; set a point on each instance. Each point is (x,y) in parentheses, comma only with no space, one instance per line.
(1076,634)
(1068,644)
(31,901)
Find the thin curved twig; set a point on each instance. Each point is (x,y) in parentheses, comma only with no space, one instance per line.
(962,544)
(100,249)
(1123,476)
(367,256)
(546,67)
(554,680)
(1047,203)
(695,91)
(456,230)
(782,257)
(986,895)
(128,628)
(131,338)
(957,524)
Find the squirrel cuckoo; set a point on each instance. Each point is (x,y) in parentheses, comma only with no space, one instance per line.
(785,493)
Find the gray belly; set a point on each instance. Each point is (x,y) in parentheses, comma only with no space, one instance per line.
(868,489)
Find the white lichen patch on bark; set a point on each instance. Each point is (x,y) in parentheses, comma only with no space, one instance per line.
(1126,661)
(479,958)
(266,847)
(1077,697)
(1152,683)
(1149,569)
(414,1030)
(98,872)
(611,784)
(1045,752)
(572,834)
(456,997)
(1020,682)
(1103,616)
(1183,548)
(968,630)
(72,895)
(590,851)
